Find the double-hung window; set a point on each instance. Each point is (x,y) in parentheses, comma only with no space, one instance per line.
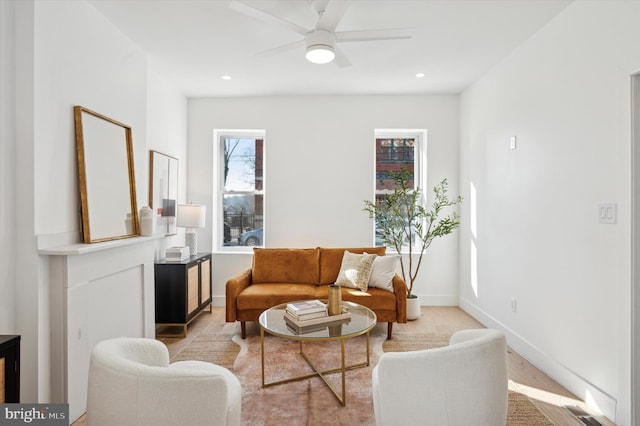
(397,150)
(239,183)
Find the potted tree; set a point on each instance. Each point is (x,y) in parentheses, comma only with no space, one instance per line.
(403,221)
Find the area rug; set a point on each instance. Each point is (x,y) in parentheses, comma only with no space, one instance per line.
(414,342)
(211,347)
(309,401)
(523,412)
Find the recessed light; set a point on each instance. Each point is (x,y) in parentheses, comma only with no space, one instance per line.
(226,77)
(420,75)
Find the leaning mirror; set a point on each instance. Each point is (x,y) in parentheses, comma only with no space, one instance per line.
(163,191)
(106,177)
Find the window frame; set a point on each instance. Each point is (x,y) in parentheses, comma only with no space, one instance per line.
(419,165)
(219,135)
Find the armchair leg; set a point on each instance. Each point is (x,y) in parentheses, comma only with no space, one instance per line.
(243,329)
(389,330)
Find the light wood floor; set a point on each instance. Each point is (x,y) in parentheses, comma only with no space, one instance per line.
(549,396)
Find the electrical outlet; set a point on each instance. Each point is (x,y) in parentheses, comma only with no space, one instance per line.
(512,142)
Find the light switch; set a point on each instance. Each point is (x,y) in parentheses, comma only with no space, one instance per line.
(607,213)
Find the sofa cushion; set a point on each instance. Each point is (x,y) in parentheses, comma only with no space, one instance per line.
(355,270)
(286,266)
(331,260)
(263,297)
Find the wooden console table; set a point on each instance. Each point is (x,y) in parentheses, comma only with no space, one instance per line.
(183,290)
(9,369)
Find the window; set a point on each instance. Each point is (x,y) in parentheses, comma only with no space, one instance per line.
(398,150)
(239,160)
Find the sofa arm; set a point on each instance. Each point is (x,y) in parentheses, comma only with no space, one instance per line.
(234,287)
(400,289)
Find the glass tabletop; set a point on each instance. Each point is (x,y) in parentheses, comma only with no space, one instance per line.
(361,320)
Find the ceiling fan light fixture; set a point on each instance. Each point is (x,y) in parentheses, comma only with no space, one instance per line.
(320,54)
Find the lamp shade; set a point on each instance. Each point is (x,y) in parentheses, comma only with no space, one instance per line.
(191,215)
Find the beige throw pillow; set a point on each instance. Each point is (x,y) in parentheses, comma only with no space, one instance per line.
(355,270)
(383,271)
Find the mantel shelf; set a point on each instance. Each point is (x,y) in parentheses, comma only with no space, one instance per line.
(81,248)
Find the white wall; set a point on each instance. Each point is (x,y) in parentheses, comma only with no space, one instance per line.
(166,133)
(66,54)
(7,166)
(319,165)
(535,236)
(81,59)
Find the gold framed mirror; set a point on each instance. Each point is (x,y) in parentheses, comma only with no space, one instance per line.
(106,177)
(163,191)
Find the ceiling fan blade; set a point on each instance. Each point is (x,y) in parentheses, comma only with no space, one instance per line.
(368,35)
(265,17)
(332,15)
(281,49)
(340,59)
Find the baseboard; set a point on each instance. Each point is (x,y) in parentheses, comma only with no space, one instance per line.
(600,401)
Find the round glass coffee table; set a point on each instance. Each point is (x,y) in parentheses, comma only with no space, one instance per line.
(360,321)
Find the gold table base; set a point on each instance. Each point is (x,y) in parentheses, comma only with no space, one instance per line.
(343,367)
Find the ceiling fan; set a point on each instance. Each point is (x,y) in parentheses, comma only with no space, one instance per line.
(320,42)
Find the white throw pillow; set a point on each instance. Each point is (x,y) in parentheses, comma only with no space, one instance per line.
(355,270)
(383,271)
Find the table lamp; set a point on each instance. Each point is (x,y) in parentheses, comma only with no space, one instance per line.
(191,216)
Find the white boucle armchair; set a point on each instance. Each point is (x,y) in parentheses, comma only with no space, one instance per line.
(132,382)
(464,383)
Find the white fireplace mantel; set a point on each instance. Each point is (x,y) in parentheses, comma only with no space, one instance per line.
(97,291)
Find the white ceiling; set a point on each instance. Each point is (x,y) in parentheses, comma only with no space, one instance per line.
(194,42)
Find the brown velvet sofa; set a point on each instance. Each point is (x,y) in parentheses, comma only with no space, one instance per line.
(285,275)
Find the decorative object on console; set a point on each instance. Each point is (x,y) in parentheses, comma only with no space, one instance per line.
(177,254)
(191,216)
(163,191)
(403,221)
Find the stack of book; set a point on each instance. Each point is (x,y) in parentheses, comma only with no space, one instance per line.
(311,315)
(306,310)
(177,254)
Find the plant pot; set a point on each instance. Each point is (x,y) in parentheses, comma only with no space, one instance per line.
(413,308)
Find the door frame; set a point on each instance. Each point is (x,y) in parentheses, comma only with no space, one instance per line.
(635,247)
